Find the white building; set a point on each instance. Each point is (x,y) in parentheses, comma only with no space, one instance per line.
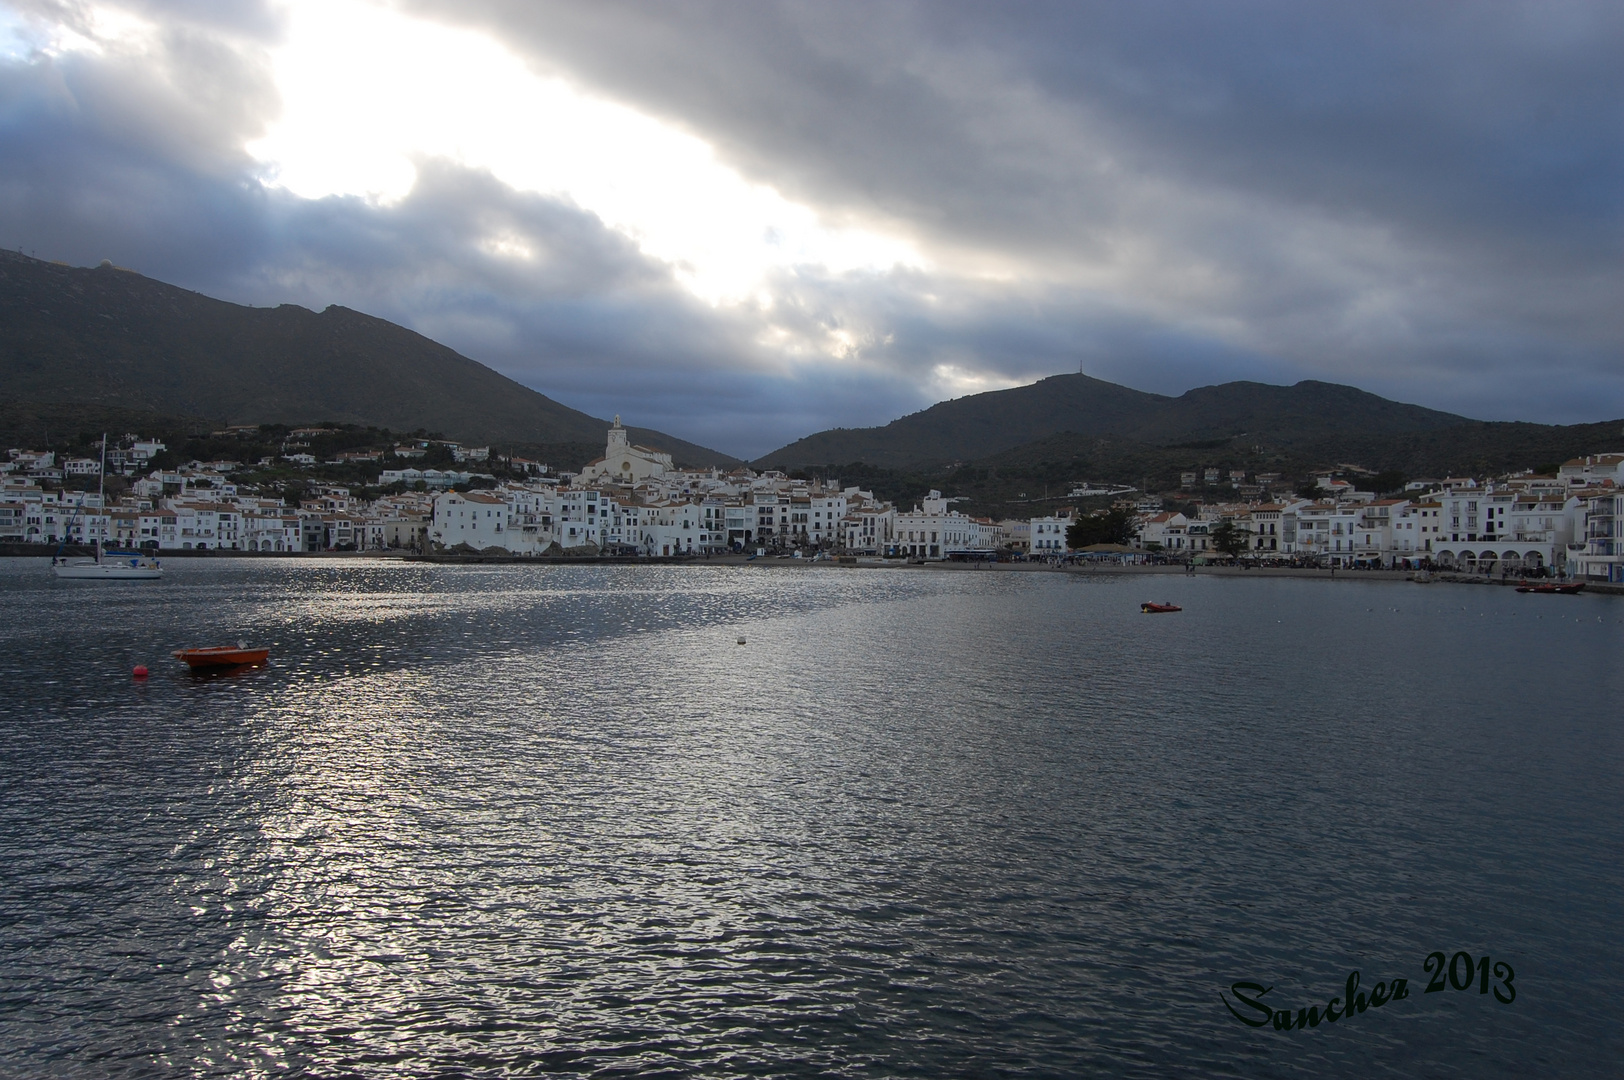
(933,530)
(1584,472)
(1489,530)
(1164,531)
(1263,524)
(476,519)
(275,531)
(1048,535)
(1323,531)
(625,463)
(870,528)
(1598,554)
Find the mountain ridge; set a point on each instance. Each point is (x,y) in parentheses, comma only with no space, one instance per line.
(114,340)
(981,425)
(111,337)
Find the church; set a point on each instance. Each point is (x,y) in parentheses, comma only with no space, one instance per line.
(624,463)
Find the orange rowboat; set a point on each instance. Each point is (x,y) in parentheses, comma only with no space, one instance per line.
(223,656)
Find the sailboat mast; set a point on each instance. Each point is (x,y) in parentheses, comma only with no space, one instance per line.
(101,499)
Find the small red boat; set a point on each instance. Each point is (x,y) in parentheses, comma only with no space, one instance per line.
(239,655)
(1552,587)
(1153,609)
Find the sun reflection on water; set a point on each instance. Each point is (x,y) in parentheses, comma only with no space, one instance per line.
(559,820)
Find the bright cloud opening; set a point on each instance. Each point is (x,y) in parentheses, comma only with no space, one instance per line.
(367,92)
(89,31)
(954,381)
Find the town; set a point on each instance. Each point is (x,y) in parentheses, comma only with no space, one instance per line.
(634,501)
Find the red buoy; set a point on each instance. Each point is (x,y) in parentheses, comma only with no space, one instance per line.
(140,671)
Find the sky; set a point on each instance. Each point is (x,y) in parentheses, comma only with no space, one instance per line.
(743,222)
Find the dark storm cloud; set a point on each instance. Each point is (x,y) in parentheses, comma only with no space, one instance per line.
(1394,194)
(563,304)
(1424,201)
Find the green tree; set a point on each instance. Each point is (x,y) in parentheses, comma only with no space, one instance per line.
(1389,481)
(1228,537)
(1112,527)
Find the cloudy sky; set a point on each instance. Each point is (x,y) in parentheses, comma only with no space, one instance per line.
(742,222)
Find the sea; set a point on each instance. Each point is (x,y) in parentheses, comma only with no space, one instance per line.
(776,820)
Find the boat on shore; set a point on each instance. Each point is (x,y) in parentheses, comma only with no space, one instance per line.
(1552,588)
(222,656)
(1152,608)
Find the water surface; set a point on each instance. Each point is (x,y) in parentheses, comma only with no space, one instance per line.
(546,820)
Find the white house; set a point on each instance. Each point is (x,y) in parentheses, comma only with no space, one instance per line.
(1164,531)
(274,531)
(1593,469)
(1048,534)
(870,528)
(1263,523)
(1323,531)
(473,518)
(1598,554)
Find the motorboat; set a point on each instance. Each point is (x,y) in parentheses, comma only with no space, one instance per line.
(1554,588)
(218,656)
(1151,608)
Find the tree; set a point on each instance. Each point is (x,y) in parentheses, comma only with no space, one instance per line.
(1228,538)
(1113,527)
(1388,481)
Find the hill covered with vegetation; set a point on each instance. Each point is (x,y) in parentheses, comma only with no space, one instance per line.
(975,427)
(113,339)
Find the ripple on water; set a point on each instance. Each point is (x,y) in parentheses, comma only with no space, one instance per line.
(542,819)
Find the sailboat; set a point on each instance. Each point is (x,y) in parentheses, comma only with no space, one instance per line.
(108,564)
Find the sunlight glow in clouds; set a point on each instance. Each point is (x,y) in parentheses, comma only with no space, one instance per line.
(367,92)
(956,381)
(22,37)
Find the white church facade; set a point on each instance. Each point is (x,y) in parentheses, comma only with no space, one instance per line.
(625,463)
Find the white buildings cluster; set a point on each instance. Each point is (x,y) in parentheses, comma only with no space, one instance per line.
(201,508)
(1516,525)
(634,500)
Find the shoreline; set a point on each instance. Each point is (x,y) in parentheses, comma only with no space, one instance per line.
(863,563)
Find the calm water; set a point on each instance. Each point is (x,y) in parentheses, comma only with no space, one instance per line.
(518,820)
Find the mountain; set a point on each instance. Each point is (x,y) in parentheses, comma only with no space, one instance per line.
(111,338)
(982,425)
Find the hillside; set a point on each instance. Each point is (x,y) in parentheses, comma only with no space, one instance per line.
(1011,453)
(979,426)
(111,338)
